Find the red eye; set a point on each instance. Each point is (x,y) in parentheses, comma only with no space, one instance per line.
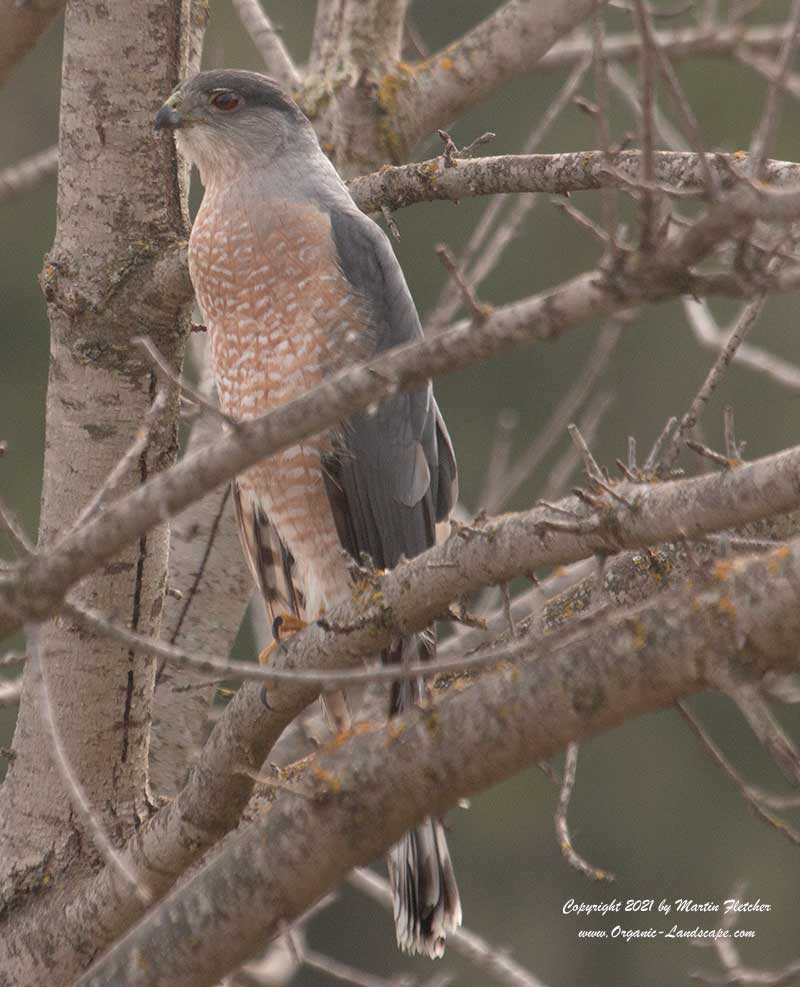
(225,101)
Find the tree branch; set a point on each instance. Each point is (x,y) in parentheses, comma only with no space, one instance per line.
(423,763)
(36,588)
(277,60)
(21,26)
(681,43)
(492,553)
(408,599)
(709,335)
(509,43)
(28,174)
(353,35)
(555,174)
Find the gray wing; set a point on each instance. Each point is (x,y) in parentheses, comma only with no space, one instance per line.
(393,475)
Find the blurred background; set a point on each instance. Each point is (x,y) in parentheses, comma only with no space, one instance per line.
(649,805)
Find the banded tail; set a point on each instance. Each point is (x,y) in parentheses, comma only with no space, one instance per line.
(425,897)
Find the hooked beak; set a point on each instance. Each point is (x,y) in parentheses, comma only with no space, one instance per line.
(168,118)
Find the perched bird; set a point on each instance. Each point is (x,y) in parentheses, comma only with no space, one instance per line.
(296,283)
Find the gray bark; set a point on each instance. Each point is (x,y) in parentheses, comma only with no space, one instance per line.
(742,620)
(207,569)
(110,275)
(552,174)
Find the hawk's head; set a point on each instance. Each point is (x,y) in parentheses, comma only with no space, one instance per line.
(223,118)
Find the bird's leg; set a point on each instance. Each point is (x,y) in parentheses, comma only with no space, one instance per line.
(285,625)
(335,708)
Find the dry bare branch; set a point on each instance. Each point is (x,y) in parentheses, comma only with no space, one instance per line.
(679,43)
(573,858)
(40,583)
(10,691)
(483,733)
(184,388)
(495,552)
(481,254)
(647,83)
(509,43)
(529,460)
(756,799)
(744,323)
(249,728)
(555,174)
(709,335)
(277,60)
(21,26)
(27,174)
(768,124)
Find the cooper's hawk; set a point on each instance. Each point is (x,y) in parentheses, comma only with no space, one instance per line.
(295,283)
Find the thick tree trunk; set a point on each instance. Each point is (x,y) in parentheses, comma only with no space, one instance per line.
(113,273)
(213,584)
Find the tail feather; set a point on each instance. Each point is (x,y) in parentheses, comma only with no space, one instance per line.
(424,890)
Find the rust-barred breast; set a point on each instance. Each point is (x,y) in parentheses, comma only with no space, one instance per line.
(281,316)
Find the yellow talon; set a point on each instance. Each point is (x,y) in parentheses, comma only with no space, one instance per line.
(284,625)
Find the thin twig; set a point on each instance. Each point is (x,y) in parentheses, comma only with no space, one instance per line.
(229,668)
(709,335)
(477,310)
(745,322)
(765,67)
(626,88)
(480,257)
(728,955)
(768,125)
(527,462)
(269,43)
(584,221)
(608,198)
(25,175)
(185,389)
(10,691)
(707,453)
(498,462)
(754,798)
(732,448)
(766,728)
(688,120)
(345,973)
(655,452)
(573,858)
(8,523)
(589,424)
(590,464)
(647,84)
